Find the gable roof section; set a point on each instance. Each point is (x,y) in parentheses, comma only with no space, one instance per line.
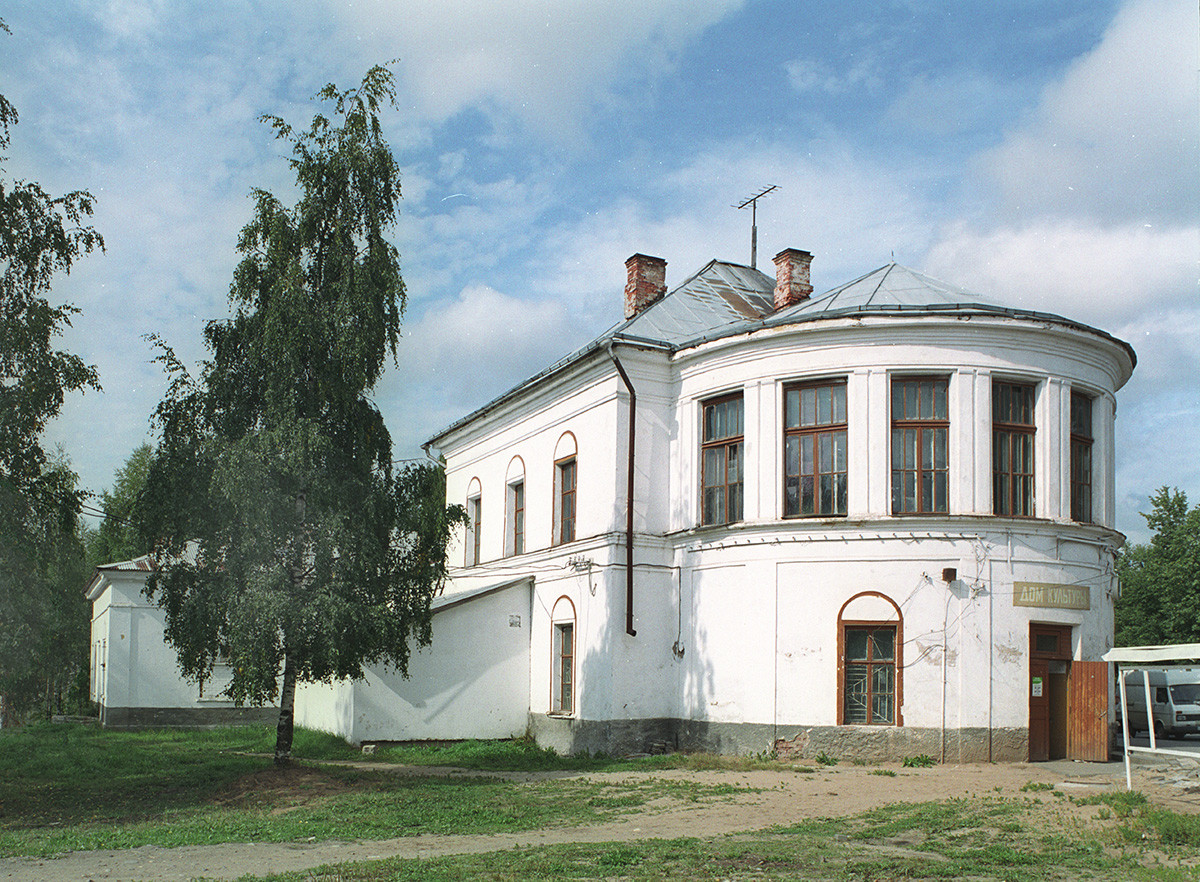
(726,299)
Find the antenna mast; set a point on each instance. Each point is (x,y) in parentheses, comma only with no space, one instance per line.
(753,203)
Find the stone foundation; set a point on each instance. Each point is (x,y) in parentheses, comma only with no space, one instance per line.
(185,717)
(864,743)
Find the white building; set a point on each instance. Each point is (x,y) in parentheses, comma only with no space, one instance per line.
(877,522)
(135,675)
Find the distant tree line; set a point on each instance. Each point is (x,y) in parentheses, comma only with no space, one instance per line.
(1160,581)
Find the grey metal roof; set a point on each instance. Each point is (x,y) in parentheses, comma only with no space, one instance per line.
(726,299)
(720,296)
(889,287)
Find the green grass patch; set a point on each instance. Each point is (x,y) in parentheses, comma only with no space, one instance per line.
(916,842)
(64,787)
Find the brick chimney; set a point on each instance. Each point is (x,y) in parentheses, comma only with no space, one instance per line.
(791,277)
(647,282)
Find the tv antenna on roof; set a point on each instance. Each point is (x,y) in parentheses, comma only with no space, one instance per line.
(753,203)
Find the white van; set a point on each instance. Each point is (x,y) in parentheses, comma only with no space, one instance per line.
(1175,699)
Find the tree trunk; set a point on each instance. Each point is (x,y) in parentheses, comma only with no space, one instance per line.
(287,713)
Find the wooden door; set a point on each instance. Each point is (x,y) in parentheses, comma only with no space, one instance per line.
(1039,710)
(1087,712)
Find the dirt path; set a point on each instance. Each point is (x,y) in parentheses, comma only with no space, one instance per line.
(781,798)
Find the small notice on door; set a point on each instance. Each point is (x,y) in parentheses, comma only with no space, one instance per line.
(1037,687)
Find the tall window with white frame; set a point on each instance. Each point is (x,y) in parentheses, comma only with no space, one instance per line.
(474,525)
(562,685)
(869,674)
(721,454)
(515,543)
(920,445)
(1013,431)
(814,449)
(564,480)
(1081,458)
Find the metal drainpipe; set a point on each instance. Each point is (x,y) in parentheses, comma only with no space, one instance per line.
(628,493)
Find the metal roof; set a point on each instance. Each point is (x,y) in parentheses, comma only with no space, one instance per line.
(720,296)
(141,564)
(727,299)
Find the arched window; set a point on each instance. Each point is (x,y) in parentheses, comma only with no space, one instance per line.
(562,672)
(514,508)
(870,661)
(474,521)
(566,475)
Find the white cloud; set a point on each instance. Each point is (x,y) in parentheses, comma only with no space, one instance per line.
(1100,275)
(850,210)
(545,62)
(1116,138)
(807,75)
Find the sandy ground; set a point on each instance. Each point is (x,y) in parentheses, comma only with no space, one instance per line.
(782,797)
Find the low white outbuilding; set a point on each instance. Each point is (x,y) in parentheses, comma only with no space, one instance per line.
(135,676)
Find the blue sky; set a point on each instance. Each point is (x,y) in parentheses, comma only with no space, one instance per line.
(1041,152)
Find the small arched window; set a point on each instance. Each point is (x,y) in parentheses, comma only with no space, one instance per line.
(514,508)
(566,476)
(474,521)
(562,672)
(870,661)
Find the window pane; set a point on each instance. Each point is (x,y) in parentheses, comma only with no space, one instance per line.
(938,437)
(806,455)
(840,493)
(714,467)
(941,409)
(925,407)
(855,711)
(910,400)
(883,644)
(839,403)
(941,494)
(824,406)
(791,495)
(825,446)
(807,502)
(808,406)
(856,644)
(714,505)
(826,494)
(791,408)
(839,452)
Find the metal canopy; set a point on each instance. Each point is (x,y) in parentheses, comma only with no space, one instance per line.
(1146,659)
(1152,655)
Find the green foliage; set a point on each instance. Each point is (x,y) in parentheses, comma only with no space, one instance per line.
(117,538)
(1160,582)
(287,543)
(40,236)
(921,761)
(824,759)
(44,616)
(73,788)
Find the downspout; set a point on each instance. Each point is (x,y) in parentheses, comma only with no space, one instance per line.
(628,492)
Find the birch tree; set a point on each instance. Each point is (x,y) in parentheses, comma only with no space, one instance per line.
(287,544)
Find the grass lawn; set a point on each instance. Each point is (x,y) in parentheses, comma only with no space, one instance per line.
(65,787)
(983,839)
